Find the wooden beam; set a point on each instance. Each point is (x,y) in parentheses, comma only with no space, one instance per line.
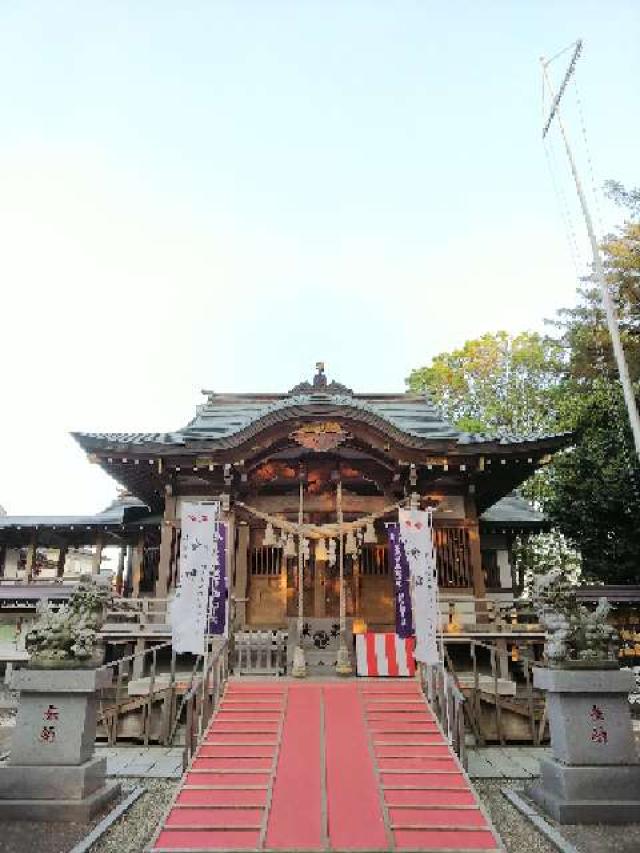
(137,566)
(31,555)
(120,571)
(167,533)
(97,554)
(62,559)
(475,557)
(241,574)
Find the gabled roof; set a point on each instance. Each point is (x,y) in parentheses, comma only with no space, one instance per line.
(226,420)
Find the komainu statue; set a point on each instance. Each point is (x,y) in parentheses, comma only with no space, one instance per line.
(67,637)
(575,634)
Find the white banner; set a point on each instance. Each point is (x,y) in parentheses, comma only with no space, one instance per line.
(198,547)
(417,537)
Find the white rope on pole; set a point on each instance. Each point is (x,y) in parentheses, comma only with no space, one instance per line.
(299,668)
(343,665)
(607,301)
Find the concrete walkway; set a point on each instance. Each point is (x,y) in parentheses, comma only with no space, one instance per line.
(152,762)
(505,762)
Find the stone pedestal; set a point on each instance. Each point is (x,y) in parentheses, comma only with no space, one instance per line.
(321,643)
(593,775)
(52,774)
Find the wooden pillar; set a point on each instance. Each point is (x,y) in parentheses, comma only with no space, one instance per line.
(167,532)
(137,566)
(97,554)
(120,571)
(62,559)
(475,558)
(241,574)
(31,556)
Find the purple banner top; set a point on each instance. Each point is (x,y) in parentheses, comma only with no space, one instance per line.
(218,585)
(400,569)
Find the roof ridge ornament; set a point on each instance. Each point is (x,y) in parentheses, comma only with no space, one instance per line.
(319,385)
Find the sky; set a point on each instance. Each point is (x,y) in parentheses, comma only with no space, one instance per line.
(219,194)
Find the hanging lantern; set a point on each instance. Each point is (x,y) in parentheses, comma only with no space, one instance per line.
(289,547)
(370,534)
(350,544)
(321,551)
(269,539)
(332,552)
(304,547)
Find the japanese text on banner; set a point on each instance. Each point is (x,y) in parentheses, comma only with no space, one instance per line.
(416,536)
(400,570)
(198,547)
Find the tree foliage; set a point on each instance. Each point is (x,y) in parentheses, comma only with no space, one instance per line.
(594,489)
(528,383)
(498,383)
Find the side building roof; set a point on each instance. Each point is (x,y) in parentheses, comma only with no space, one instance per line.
(513,512)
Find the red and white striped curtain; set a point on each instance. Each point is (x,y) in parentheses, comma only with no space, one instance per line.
(384,655)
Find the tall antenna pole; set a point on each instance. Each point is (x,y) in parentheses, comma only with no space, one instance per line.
(607,301)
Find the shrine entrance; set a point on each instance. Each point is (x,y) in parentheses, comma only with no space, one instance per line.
(321,586)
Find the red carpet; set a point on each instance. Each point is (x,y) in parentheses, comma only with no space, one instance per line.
(316,766)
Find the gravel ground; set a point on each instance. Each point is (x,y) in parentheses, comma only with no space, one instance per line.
(135,829)
(130,834)
(518,835)
(26,837)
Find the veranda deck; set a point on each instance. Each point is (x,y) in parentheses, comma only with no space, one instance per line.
(325,765)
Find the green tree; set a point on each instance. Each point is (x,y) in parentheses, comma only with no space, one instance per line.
(593,494)
(583,328)
(498,383)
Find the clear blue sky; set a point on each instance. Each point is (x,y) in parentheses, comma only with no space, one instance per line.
(213,194)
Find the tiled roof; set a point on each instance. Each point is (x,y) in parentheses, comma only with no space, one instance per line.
(120,511)
(513,510)
(223,416)
(228,418)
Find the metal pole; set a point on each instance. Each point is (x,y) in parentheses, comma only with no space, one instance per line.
(343,665)
(299,668)
(607,301)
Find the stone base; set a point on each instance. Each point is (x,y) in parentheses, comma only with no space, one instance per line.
(320,643)
(67,811)
(52,782)
(588,794)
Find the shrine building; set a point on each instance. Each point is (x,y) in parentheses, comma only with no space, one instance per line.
(286,456)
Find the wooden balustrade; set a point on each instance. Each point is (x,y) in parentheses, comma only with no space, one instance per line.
(167,692)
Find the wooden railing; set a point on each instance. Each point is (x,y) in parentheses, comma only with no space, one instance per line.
(167,692)
(529,702)
(115,701)
(259,653)
(141,611)
(448,703)
(203,698)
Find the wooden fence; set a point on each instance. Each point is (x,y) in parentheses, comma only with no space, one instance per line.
(447,702)
(488,705)
(260,653)
(163,699)
(202,699)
